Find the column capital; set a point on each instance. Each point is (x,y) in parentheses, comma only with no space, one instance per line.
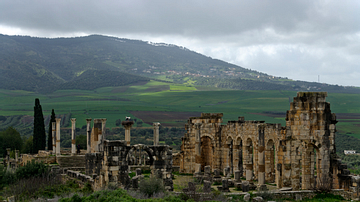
(88,120)
(156,124)
(73,120)
(58,120)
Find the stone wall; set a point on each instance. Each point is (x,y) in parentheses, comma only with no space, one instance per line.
(304,148)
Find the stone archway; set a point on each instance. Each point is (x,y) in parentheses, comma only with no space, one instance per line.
(312,176)
(206,152)
(140,148)
(270,161)
(230,153)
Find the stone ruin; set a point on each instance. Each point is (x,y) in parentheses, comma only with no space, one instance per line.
(301,155)
(111,167)
(107,163)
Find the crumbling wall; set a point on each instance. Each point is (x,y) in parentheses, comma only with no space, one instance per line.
(111,167)
(269,152)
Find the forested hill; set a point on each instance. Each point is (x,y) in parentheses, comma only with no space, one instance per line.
(45,65)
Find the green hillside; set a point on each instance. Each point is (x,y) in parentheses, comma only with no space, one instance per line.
(45,65)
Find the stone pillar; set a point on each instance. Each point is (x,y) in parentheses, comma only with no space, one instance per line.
(88,135)
(295,164)
(96,135)
(306,167)
(58,136)
(247,161)
(16,156)
(103,130)
(197,147)
(261,158)
(127,125)
(54,137)
(156,133)
(73,140)
(8,158)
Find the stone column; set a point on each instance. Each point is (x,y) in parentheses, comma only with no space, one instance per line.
(58,136)
(16,156)
(306,167)
(96,134)
(88,135)
(261,158)
(127,125)
(8,158)
(103,134)
(103,129)
(73,140)
(248,163)
(54,137)
(197,148)
(156,133)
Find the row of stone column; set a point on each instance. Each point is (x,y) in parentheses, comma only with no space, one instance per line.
(128,124)
(102,136)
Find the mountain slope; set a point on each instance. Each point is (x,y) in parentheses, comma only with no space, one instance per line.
(45,65)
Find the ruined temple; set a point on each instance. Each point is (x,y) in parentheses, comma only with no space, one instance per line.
(300,155)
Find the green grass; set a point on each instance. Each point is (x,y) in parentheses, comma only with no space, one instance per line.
(117,102)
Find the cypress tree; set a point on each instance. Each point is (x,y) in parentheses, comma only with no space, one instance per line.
(39,136)
(49,142)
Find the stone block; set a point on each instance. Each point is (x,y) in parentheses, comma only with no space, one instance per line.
(135,183)
(230,183)
(225,185)
(247,197)
(207,186)
(245,186)
(217,173)
(237,176)
(258,199)
(207,170)
(138,171)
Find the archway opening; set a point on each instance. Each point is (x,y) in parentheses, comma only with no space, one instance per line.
(270,162)
(206,152)
(248,159)
(230,155)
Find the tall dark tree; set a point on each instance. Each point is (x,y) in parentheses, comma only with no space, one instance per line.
(39,136)
(49,141)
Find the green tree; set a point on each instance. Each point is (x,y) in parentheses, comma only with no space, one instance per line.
(52,119)
(39,136)
(10,138)
(81,140)
(28,145)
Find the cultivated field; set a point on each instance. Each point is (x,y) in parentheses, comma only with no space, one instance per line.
(170,104)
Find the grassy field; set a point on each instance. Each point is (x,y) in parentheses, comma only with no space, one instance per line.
(155,100)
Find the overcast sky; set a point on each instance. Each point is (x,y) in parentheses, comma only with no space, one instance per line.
(295,39)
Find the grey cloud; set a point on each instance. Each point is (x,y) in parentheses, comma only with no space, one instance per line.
(298,39)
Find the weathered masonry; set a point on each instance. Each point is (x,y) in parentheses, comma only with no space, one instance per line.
(300,155)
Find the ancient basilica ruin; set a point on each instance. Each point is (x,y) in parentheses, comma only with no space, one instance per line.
(300,155)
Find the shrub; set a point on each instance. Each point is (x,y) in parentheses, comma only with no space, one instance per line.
(329,196)
(151,186)
(32,169)
(6,177)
